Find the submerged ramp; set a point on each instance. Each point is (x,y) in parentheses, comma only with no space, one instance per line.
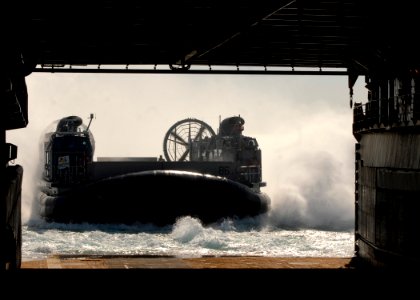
(169,262)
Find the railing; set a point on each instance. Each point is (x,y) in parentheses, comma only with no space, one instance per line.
(71,171)
(386,113)
(251,174)
(70,175)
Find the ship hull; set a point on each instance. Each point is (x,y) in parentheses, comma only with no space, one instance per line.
(158,197)
(387,198)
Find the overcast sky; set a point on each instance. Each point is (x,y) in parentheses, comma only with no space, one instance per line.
(303,125)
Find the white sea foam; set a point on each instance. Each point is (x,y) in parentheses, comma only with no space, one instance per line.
(187,238)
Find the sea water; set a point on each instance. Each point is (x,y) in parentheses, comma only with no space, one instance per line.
(188,237)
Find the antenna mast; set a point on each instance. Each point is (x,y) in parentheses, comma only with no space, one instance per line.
(90,121)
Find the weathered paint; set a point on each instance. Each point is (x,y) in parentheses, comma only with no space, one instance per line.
(388,198)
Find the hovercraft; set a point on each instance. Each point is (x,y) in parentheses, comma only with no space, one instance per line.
(202,174)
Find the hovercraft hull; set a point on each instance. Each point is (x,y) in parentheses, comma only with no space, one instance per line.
(158,197)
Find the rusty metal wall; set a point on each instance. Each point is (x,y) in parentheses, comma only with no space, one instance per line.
(391,150)
(388,198)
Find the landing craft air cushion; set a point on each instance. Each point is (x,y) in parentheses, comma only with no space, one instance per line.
(202,174)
